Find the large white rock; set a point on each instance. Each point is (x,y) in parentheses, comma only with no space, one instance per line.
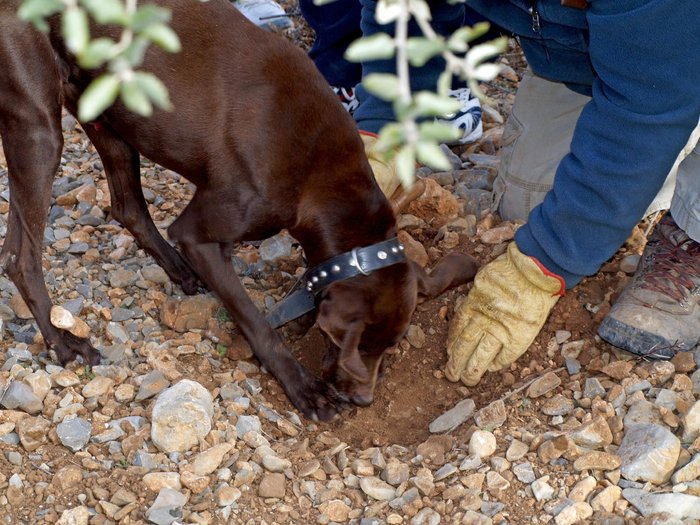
(181,416)
(649,453)
(681,506)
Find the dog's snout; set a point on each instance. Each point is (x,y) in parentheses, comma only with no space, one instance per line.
(362,399)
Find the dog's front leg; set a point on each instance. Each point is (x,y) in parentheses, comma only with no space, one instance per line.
(315,398)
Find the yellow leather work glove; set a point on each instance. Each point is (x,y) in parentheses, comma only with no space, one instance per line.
(384,172)
(500,318)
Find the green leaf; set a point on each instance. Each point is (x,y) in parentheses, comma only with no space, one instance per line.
(387,11)
(75,29)
(482,52)
(459,39)
(406,165)
(440,132)
(323,2)
(383,85)
(35,11)
(154,89)
(444,83)
(430,154)
(98,96)
(379,46)
(107,11)
(433,105)
(147,15)
(163,36)
(134,54)
(96,53)
(420,50)
(485,72)
(390,137)
(419,9)
(135,99)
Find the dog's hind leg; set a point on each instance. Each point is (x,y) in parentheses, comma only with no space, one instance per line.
(30,127)
(121,164)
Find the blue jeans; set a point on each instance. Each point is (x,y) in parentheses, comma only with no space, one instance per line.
(339,23)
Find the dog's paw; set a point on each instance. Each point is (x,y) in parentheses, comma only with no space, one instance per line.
(71,346)
(316,399)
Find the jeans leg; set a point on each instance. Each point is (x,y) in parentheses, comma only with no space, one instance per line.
(373,112)
(336,25)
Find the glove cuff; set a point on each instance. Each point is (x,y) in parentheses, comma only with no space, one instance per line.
(535,272)
(562,283)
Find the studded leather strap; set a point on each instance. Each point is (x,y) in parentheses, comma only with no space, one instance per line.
(358,261)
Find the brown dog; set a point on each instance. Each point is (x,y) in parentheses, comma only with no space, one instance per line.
(257,130)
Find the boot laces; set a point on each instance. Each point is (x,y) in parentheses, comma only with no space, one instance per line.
(673,264)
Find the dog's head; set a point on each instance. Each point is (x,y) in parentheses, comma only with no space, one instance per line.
(366,315)
(362,318)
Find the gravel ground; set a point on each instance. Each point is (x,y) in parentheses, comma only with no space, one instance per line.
(179,425)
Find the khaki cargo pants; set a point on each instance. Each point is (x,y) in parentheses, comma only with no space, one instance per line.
(527,168)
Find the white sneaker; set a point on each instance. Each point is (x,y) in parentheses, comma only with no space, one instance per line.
(347,98)
(468,118)
(267,14)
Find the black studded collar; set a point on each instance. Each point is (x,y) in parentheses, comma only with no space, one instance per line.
(358,261)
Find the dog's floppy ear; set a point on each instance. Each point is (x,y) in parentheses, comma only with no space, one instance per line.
(347,340)
(450,271)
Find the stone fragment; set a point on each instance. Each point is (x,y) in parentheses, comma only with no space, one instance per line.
(582,489)
(415,336)
(689,472)
(557,406)
(167,508)
(336,510)
(594,434)
(605,500)
(426,516)
(156,481)
(482,443)
(516,450)
(272,485)
(20,396)
(98,386)
(395,473)
(491,416)
(33,432)
(189,313)
(436,206)
(181,416)
(596,460)
(152,384)
(524,472)
(454,417)
(544,384)
(434,448)
(648,453)
(377,489)
(541,489)
(691,423)
(74,433)
(75,516)
(194,482)
(680,506)
(575,513)
(618,369)
(208,461)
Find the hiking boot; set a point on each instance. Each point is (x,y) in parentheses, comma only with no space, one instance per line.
(658,313)
(347,98)
(467,119)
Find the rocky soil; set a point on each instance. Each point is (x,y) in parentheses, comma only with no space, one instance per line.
(179,424)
